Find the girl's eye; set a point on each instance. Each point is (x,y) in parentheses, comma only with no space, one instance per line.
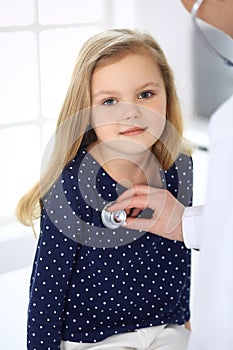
(145,94)
(109,102)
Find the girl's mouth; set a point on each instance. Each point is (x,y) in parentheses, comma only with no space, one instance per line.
(133,131)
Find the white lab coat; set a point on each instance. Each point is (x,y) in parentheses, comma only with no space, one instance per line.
(212,319)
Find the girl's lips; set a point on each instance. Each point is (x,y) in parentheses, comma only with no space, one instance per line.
(133,131)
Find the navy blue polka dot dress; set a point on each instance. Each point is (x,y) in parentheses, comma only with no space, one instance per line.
(89,282)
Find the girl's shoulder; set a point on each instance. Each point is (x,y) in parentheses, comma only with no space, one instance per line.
(182,170)
(183,166)
(184,159)
(74,165)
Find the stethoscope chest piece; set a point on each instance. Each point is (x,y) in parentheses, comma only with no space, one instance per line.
(114,219)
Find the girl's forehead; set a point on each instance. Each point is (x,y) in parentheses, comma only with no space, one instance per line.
(131,72)
(116,57)
(126,61)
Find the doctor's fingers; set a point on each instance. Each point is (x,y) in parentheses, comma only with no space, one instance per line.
(140,202)
(146,197)
(156,225)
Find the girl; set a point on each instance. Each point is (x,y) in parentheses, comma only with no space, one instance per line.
(120,125)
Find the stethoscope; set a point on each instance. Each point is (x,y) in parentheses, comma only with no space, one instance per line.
(202,36)
(113,219)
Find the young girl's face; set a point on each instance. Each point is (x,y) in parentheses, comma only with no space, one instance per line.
(129,102)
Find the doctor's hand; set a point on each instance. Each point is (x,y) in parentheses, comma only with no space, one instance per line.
(166,220)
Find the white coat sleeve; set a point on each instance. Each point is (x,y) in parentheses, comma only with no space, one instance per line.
(213,304)
(191,225)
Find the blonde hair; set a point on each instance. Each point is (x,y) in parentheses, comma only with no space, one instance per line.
(74,118)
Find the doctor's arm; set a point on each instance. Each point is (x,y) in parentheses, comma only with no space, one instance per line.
(170,219)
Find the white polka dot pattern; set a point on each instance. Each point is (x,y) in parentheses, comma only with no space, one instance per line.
(89,283)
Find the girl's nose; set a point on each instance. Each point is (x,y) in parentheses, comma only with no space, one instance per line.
(131,111)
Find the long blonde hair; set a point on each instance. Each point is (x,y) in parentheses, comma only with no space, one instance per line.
(74,118)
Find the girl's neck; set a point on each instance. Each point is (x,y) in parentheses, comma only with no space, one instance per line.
(128,169)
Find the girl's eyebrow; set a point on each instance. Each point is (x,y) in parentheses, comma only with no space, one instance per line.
(153,84)
(104,92)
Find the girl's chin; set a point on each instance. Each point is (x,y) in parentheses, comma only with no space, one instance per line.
(128,148)
(130,144)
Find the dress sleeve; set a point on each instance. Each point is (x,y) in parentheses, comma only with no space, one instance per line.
(53,264)
(185,195)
